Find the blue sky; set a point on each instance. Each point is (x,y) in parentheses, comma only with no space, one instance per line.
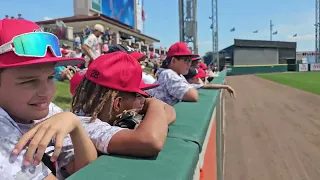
(289,17)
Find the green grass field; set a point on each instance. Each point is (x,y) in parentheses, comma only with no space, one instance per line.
(307,81)
(63,96)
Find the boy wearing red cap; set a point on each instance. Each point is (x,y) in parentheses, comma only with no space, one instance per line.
(173,86)
(26,91)
(197,78)
(112,84)
(197,63)
(77,78)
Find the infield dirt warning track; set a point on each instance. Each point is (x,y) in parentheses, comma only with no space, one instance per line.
(272,132)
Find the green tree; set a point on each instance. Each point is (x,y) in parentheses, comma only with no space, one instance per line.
(207,58)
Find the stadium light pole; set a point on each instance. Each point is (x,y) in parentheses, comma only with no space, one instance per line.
(317,31)
(215,52)
(216,33)
(271,30)
(214,27)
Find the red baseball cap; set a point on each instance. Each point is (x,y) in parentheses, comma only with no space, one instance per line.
(78,76)
(118,71)
(180,49)
(202,65)
(76,80)
(9,28)
(196,58)
(201,73)
(145,86)
(64,51)
(138,56)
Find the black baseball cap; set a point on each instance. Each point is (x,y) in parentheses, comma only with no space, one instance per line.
(192,72)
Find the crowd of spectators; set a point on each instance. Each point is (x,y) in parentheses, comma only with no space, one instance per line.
(12,17)
(115,110)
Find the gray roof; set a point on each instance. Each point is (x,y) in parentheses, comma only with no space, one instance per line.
(264,44)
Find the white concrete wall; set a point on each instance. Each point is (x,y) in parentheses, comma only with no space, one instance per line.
(81,7)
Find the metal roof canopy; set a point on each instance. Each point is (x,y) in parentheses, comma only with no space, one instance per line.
(264,44)
(81,22)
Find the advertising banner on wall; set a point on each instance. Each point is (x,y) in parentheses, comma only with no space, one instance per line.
(120,10)
(139,8)
(314,67)
(303,67)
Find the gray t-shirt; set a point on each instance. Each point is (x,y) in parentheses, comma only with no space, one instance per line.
(12,167)
(172,87)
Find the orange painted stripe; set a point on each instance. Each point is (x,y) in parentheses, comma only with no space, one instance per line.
(209,169)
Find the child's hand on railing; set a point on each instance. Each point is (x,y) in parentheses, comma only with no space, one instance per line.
(231,91)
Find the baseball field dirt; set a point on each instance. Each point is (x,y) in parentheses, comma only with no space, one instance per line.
(272,132)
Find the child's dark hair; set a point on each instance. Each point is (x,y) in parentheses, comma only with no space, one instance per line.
(166,62)
(90,98)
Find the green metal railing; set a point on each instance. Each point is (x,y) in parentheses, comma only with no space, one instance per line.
(180,156)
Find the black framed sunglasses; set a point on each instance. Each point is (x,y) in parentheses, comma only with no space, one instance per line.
(186,59)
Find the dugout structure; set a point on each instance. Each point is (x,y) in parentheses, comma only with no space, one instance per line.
(256,56)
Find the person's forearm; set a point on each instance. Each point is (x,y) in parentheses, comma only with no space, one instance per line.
(171,114)
(87,51)
(89,54)
(84,150)
(200,81)
(214,86)
(154,123)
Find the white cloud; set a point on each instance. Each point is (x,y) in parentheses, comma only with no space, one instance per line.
(47,18)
